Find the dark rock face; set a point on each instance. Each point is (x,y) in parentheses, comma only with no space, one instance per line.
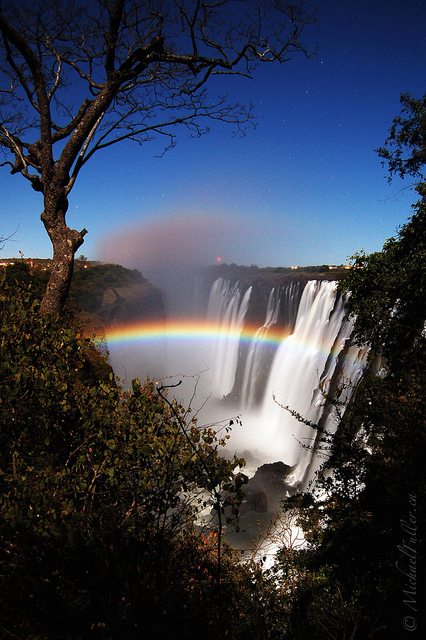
(257,502)
(267,487)
(109,295)
(130,304)
(261,505)
(272,475)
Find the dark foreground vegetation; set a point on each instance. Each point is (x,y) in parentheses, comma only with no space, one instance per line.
(99,492)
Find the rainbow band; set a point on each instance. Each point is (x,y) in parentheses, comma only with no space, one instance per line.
(186,331)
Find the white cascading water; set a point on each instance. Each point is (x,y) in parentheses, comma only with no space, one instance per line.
(280,297)
(316,355)
(252,369)
(300,377)
(226,309)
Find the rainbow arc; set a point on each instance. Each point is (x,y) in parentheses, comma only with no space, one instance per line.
(186,331)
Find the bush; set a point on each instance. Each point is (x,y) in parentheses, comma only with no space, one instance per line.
(100,494)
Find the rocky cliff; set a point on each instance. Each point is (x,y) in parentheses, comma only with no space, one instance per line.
(105,295)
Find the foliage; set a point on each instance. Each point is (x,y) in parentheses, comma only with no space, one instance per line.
(387,288)
(351,581)
(110,275)
(101,496)
(89,284)
(405,150)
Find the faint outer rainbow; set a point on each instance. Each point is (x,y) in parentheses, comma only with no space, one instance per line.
(185,330)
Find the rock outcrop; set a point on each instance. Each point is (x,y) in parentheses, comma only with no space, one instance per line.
(106,295)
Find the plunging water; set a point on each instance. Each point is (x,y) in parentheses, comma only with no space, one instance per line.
(288,363)
(227,309)
(295,375)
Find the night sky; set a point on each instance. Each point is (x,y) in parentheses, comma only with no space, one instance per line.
(304,187)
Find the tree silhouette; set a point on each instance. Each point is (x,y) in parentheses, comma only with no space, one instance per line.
(405,147)
(78,77)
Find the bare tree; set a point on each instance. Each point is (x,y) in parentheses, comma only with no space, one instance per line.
(77,77)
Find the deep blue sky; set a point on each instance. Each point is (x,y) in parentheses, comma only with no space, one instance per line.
(304,187)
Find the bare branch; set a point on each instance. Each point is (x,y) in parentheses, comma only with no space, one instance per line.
(4,239)
(80,160)
(57,79)
(78,77)
(16,147)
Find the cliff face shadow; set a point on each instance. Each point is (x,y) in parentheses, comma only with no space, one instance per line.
(264,493)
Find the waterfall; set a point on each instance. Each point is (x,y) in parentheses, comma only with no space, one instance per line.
(255,364)
(256,348)
(261,352)
(227,308)
(313,357)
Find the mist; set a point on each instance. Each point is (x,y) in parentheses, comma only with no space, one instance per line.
(169,252)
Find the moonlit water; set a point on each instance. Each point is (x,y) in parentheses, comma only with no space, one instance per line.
(227,309)
(295,371)
(284,299)
(303,368)
(252,369)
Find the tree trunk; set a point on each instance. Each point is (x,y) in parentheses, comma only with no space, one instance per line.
(65,243)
